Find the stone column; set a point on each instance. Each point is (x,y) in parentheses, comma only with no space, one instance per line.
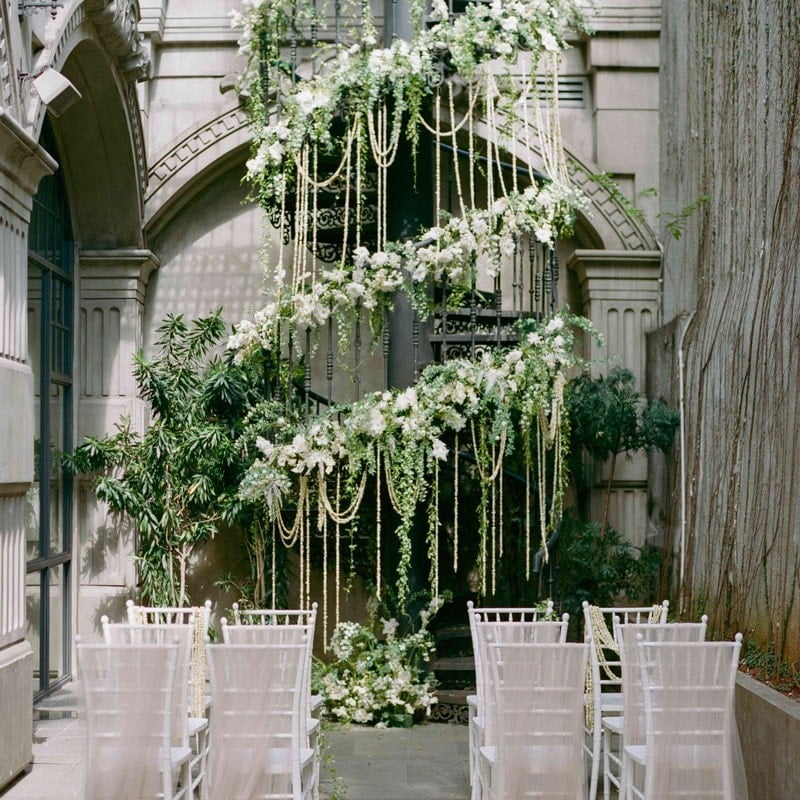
(620,291)
(110,331)
(22,164)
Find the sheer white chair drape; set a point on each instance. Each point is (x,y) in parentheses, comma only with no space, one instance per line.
(120,633)
(284,616)
(186,731)
(128,697)
(497,614)
(493,632)
(538,696)
(279,635)
(604,679)
(201,615)
(257,749)
(692,743)
(630,726)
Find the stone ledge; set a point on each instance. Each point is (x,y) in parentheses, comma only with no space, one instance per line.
(769,729)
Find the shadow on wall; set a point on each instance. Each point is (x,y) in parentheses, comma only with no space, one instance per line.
(210,255)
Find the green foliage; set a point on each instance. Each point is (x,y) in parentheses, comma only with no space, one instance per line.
(768,665)
(676,222)
(178,480)
(600,567)
(608,416)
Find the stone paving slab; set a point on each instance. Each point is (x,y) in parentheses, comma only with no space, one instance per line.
(426,762)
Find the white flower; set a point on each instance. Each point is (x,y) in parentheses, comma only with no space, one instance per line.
(439,449)
(555,324)
(549,42)
(389,627)
(439,10)
(406,400)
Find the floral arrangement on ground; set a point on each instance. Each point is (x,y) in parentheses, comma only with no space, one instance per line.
(381,682)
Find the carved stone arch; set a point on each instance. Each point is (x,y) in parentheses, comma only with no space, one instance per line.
(605,224)
(97,47)
(193,160)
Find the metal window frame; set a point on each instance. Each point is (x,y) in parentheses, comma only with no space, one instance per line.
(52,238)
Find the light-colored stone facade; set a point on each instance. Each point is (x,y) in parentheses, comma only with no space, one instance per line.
(152,156)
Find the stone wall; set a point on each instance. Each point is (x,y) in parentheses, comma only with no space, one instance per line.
(769,730)
(730,132)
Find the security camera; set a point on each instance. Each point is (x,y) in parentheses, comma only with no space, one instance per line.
(55,91)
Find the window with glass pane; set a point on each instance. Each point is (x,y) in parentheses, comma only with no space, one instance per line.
(50,341)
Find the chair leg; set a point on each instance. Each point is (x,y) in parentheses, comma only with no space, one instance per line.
(596,730)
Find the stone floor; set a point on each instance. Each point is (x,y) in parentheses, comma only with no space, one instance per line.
(427,762)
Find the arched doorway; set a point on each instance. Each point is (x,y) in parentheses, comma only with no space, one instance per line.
(51,280)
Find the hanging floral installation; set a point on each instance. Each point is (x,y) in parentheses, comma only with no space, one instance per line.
(482,83)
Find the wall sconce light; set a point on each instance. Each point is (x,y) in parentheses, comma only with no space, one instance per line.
(27,7)
(54,90)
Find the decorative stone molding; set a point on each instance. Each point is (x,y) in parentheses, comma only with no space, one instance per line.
(625,16)
(113,285)
(621,292)
(112,23)
(153,18)
(612,226)
(9,89)
(634,234)
(116,22)
(194,153)
(116,274)
(191,144)
(13,513)
(22,160)
(621,295)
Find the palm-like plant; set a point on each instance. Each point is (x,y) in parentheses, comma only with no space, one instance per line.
(178,480)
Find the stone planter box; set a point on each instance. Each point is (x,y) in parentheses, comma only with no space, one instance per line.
(769,729)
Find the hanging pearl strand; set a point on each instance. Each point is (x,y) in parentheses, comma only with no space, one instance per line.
(308,551)
(289,536)
(494,136)
(379,520)
(274,563)
(500,509)
(348,176)
(297,276)
(490,122)
(531,97)
(437,181)
(454,129)
(493,530)
(337,515)
(436,529)
(302,552)
(280,269)
(314,220)
(471,147)
(343,164)
(359,134)
(527,506)
(455,505)
(322,524)
(338,545)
